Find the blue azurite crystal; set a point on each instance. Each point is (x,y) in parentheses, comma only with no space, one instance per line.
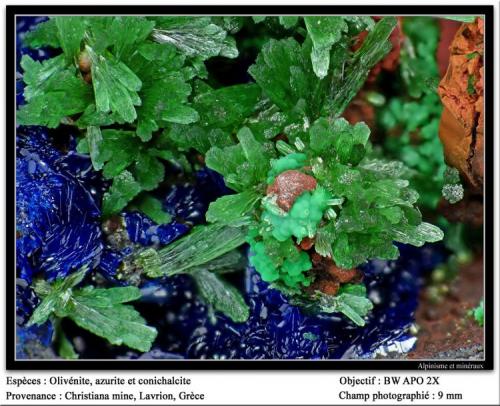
(79,167)
(144,231)
(26,301)
(190,202)
(57,218)
(211,184)
(274,330)
(111,260)
(34,342)
(277,329)
(163,291)
(173,307)
(186,202)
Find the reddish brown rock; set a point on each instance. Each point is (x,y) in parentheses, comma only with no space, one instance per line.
(87,77)
(326,286)
(289,185)
(360,110)
(343,275)
(316,259)
(84,62)
(329,277)
(306,244)
(448,29)
(448,327)
(461,128)
(469,211)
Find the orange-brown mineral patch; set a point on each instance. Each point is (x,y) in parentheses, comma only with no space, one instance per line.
(329,287)
(360,110)
(343,275)
(289,185)
(469,210)
(329,277)
(446,326)
(306,244)
(84,62)
(461,89)
(448,29)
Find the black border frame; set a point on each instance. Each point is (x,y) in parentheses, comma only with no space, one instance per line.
(487,364)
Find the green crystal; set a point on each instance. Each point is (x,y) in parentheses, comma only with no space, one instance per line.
(303,218)
(293,270)
(286,163)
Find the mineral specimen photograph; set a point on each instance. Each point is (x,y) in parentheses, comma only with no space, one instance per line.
(249,187)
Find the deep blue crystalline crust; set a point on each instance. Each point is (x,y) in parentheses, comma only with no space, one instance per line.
(278,330)
(34,341)
(57,227)
(26,301)
(142,230)
(57,219)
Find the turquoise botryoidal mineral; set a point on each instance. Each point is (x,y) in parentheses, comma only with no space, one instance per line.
(303,218)
(262,262)
(283,164)
(292,270)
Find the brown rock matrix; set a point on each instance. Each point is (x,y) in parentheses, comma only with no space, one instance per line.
(329,276)
(446,326)
(461,90)
(84,62)
(289,185)
(448,29)
(360,110)
(306,244)
(469,210)
(85,66)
